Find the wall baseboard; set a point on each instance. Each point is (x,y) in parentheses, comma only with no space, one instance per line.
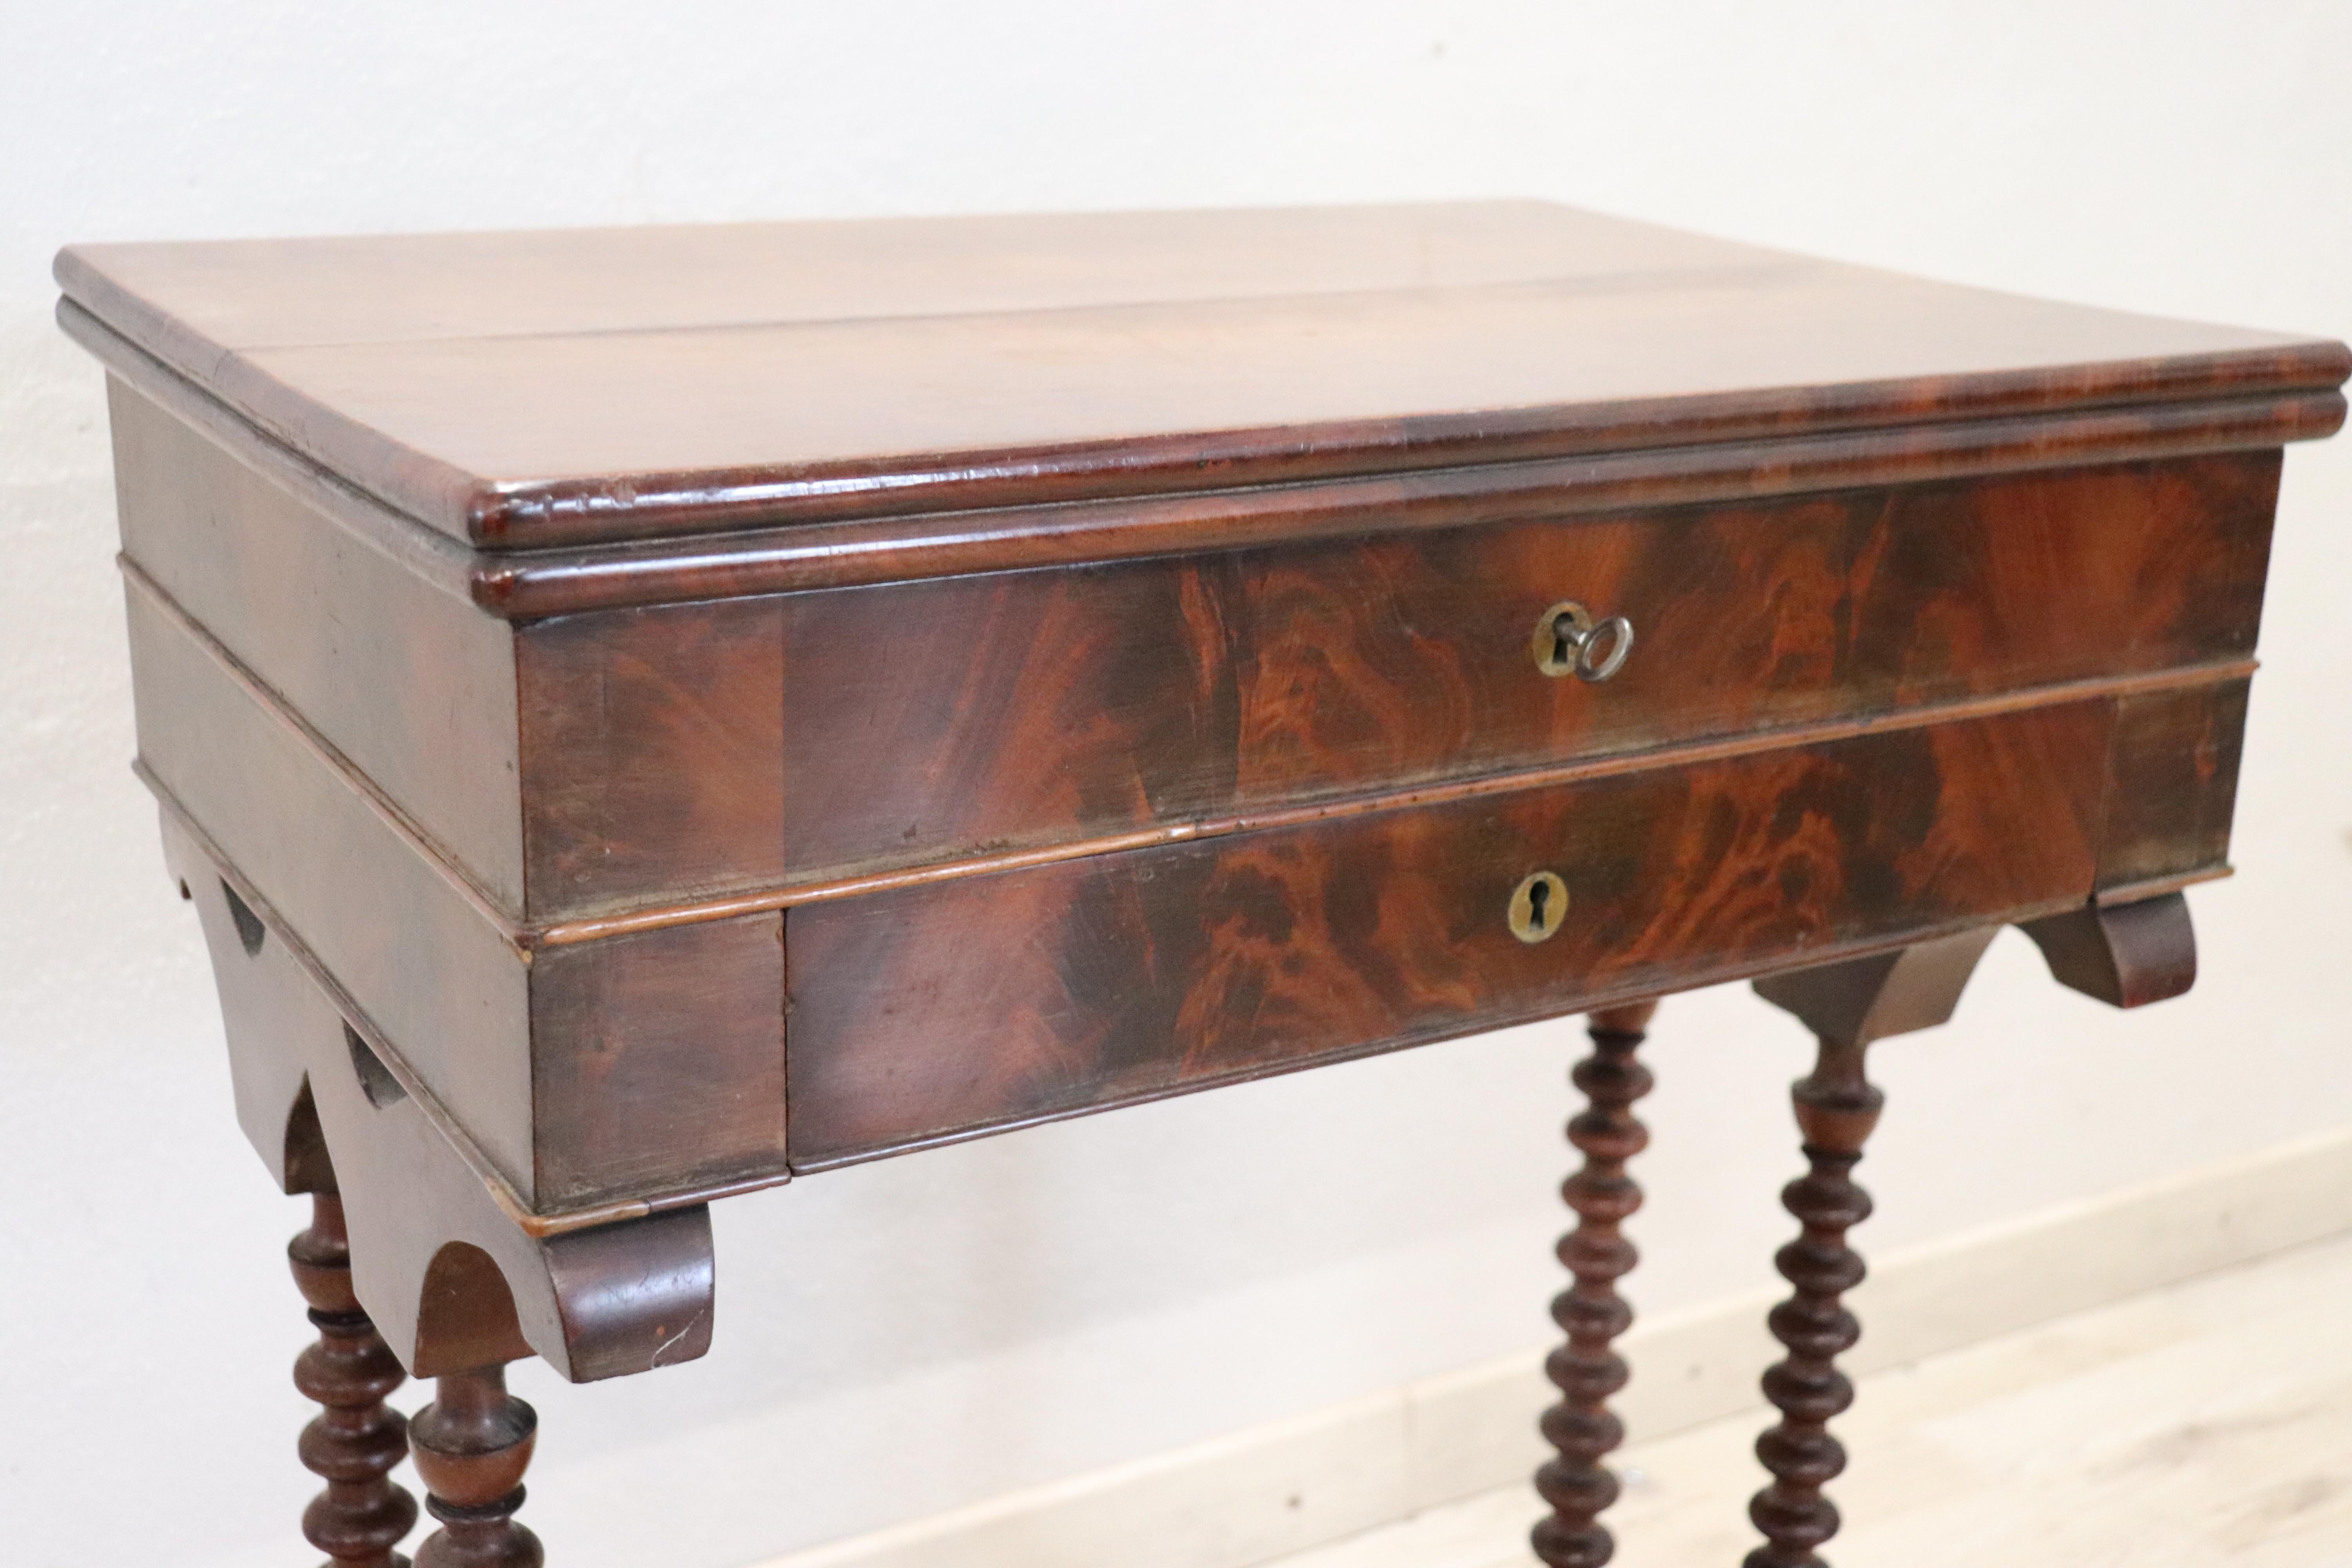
(1287,1486)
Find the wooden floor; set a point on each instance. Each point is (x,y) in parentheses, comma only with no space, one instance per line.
(2210,1423)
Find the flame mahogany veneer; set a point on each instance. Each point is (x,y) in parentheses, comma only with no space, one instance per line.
(644,714)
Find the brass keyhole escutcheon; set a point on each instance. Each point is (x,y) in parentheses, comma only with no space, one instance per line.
(1538,905)
(1569,641)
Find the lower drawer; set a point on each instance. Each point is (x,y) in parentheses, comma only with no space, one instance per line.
(942,1010)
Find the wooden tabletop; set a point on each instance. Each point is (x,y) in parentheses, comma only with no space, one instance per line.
(546,389)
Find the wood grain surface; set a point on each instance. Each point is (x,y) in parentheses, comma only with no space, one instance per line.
(441,980)
(727,746)
(526,585)
(658,1060)
(942,720)
(2174,783)
(410,682)
(539,389)
(598,763)
(925,1013)
(1404,658)
(625,1069)
(936,719)
(652,753)
(675,749)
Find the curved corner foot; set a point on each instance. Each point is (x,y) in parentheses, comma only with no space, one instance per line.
(2127,955)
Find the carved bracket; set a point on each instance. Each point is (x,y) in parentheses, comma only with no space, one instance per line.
(452,1282)
(1858,1000)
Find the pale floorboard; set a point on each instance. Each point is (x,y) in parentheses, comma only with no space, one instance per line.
(2210,1423)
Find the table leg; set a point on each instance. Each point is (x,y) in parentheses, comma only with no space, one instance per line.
(355,1442)
(472,1445)
(1836,1110)
(1586,1370)
(1847,1005)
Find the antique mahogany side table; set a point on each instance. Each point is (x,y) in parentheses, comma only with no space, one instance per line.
(649,714)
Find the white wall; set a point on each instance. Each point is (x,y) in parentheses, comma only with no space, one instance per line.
(896,1338)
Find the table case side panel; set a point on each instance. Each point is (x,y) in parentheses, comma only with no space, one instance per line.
(439,983)
(657,1059)
(2172,783)
(416,687)
(930,1012)
(652,751)
(936,720)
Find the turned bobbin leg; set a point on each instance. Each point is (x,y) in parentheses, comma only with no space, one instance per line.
(356,1440)
(472,1445)
(1836,1111)
(1847,1006)
(1586,1370)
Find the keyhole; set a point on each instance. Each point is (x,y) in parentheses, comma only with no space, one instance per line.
(1538,905)
(1563,642)
(1560,637)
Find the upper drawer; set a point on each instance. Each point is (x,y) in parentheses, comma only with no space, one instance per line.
(687,749)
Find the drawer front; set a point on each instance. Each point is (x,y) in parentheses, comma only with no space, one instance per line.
(1407,660)
(942,1010)
(748,743)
